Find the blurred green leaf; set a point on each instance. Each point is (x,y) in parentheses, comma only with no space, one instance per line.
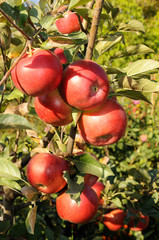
(133,26)
(31,219)
(117,202)
(76,113)
(76,3)
(15,94)
(9,183)
(132,50)
(136,95)
(42,5)
(14,3)
(4,225)
(14,121)
(142,84)
(47,21)
(85,12)
(9,170)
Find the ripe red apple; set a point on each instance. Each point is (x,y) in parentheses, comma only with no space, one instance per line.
(114,220)
(85,85)
(60,53)
(69,210)
(98,187)
(141,224)
(90,179)
(69,23)
(37,73)
(52,109)
(45,172)
(103,125)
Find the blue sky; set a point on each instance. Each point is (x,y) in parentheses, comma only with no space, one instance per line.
(35,1)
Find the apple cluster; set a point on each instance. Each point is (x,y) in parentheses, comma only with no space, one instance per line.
(45,173)
(83,85)
(114,220)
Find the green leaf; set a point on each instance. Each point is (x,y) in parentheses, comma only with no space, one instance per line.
(42,5)
(85,12)
(76,113)
(71,40)
(141,66)
(35,14)
(76,3)
(86,163)
(136,95)
(15,50)
(49,233)
(15,94)
(132,26)
(14,3)
(103,46)
(132,50)
(111,70)
(4,225)
(117,202)
(142,84)
(31,219)
(47,21)
(75,186)
(9,170)
(14,121)
(9,183)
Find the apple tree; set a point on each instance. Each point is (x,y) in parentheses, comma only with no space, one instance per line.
(74,164)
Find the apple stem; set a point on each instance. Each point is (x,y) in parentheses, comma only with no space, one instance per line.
(94,28)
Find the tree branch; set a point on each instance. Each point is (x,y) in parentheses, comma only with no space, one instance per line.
(29,42)
(94,28)
(71,139)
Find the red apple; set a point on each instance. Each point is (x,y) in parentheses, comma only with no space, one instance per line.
(90,179)
(37,73)
(104,125)
(69,210)
(45,172)
(68,23)
(85,85)
(114,220)
(98,187)
(60,53)
(52,109)
(143,221)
